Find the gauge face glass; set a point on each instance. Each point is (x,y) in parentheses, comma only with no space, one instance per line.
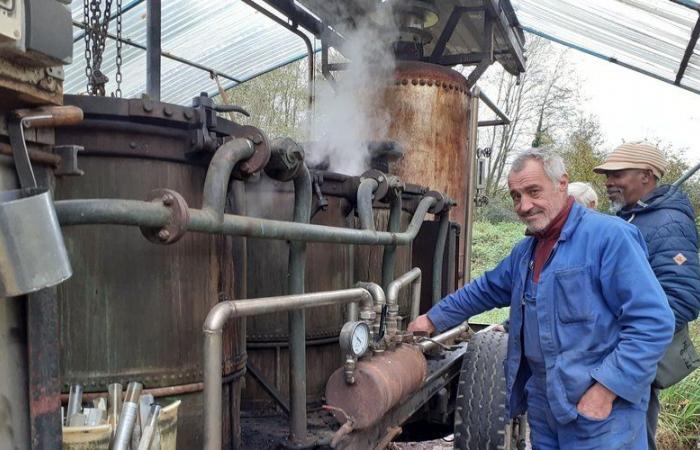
(360,339)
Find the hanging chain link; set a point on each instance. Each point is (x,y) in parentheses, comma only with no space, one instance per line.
(118,76)
(97,24)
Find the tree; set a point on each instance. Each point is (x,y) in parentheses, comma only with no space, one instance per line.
(541,104)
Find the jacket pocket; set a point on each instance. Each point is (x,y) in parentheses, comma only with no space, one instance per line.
(573,292)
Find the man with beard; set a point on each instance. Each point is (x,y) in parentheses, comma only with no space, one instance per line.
(588,320)
(667,221)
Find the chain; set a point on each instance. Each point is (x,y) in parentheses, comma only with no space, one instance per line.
(86,38)
(97,25)
(118,76)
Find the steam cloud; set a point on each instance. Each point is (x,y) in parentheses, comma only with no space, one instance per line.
(347,117)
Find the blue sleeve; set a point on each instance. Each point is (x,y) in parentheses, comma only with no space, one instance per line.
(491,290)
(673,255)
(635,296)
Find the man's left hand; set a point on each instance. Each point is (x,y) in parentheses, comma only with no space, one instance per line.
(597,402)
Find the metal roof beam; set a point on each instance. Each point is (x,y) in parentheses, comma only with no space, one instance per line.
(306,20)
(509,36)
(167,55)
(125,9)
(688,52)
(607,58)
(449,29)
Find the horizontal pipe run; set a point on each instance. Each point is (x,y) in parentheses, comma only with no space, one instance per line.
(213,342)
(429,345)
(148,214)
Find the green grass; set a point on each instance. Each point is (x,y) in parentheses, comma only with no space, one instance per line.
(679,422)
(491,242)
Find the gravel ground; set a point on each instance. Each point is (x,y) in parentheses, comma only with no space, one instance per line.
(437,444)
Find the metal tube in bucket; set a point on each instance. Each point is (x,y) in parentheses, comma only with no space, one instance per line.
(32,253)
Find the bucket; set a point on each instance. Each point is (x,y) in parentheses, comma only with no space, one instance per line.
(32,253)
(97,437)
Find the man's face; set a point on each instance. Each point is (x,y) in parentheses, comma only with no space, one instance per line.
(536,199)
(626,186)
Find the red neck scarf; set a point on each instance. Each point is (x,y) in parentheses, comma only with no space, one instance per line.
(547,238)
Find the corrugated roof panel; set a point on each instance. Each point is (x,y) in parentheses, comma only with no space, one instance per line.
(649,35)
(692,72)
(226,35)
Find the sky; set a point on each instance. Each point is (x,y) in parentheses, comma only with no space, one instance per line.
(632,106)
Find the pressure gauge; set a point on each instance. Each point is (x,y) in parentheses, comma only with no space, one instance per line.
(354,338)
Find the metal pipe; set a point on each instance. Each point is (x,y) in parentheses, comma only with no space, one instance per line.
(438,256)
(213,344)
(429,345)
(378,299)
(153,48)
(353,310)
(686,175)
(389,256)
(219,173)
(149,429)
(413,278)
(150,214)
(505,120)
(365,198)
(127,418)
(297,319)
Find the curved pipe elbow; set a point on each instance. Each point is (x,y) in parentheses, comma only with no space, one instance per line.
(396,285)
(219,172)
(218,316)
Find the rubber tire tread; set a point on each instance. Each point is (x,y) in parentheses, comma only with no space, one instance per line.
(481,417)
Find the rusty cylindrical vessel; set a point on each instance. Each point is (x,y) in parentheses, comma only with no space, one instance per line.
(427,109)
(133,311)
(381,382)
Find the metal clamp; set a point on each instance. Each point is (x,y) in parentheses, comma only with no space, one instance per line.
(69,160)
(179,218)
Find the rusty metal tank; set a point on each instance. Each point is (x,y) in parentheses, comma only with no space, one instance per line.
(328,267)
(133,310)
(427,107)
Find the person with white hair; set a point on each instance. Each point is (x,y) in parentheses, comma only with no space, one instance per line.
(588,319)
(584,194)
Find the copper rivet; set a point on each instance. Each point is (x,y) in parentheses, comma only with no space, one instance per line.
(430,82)
(438,83)
(404,81)
(414,82)
(422,82)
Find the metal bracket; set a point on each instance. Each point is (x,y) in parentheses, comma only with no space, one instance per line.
(69,160)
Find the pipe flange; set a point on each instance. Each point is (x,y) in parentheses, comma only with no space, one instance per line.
(286,159)
(259,158)
(441,202)
(382,182)
(179,217)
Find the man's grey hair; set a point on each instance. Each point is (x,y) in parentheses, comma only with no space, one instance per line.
(553,163)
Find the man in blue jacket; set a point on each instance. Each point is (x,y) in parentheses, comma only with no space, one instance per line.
(588,319)
(667,221)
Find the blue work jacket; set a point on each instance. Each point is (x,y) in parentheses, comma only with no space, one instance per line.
(601,312)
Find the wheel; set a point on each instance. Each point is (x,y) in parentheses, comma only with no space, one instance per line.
(481,416)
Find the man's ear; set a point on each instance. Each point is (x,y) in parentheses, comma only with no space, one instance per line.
(647,177)
(564,183)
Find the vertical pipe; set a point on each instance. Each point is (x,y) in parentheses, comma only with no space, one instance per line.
(213,391)
(472,125)
(297,324)
(353,310)
(365,198)
(153,50)
(438,255)
(389,256)
(44,375)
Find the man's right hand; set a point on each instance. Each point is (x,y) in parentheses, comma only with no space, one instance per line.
(422,324)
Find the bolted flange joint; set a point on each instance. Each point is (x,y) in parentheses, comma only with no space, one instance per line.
(442,203)
(286,159)
(260,157)
(382,182)
(179,217)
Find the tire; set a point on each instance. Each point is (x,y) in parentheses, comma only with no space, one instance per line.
(481,416)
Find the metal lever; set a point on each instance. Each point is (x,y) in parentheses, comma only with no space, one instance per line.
(231,108)
(30,118)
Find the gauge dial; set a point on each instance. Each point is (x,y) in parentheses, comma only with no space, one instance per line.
(354,338)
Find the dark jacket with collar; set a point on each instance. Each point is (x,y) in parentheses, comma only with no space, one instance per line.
(667,222)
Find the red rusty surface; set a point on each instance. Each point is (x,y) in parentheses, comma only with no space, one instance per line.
(381,382)
(426,108)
